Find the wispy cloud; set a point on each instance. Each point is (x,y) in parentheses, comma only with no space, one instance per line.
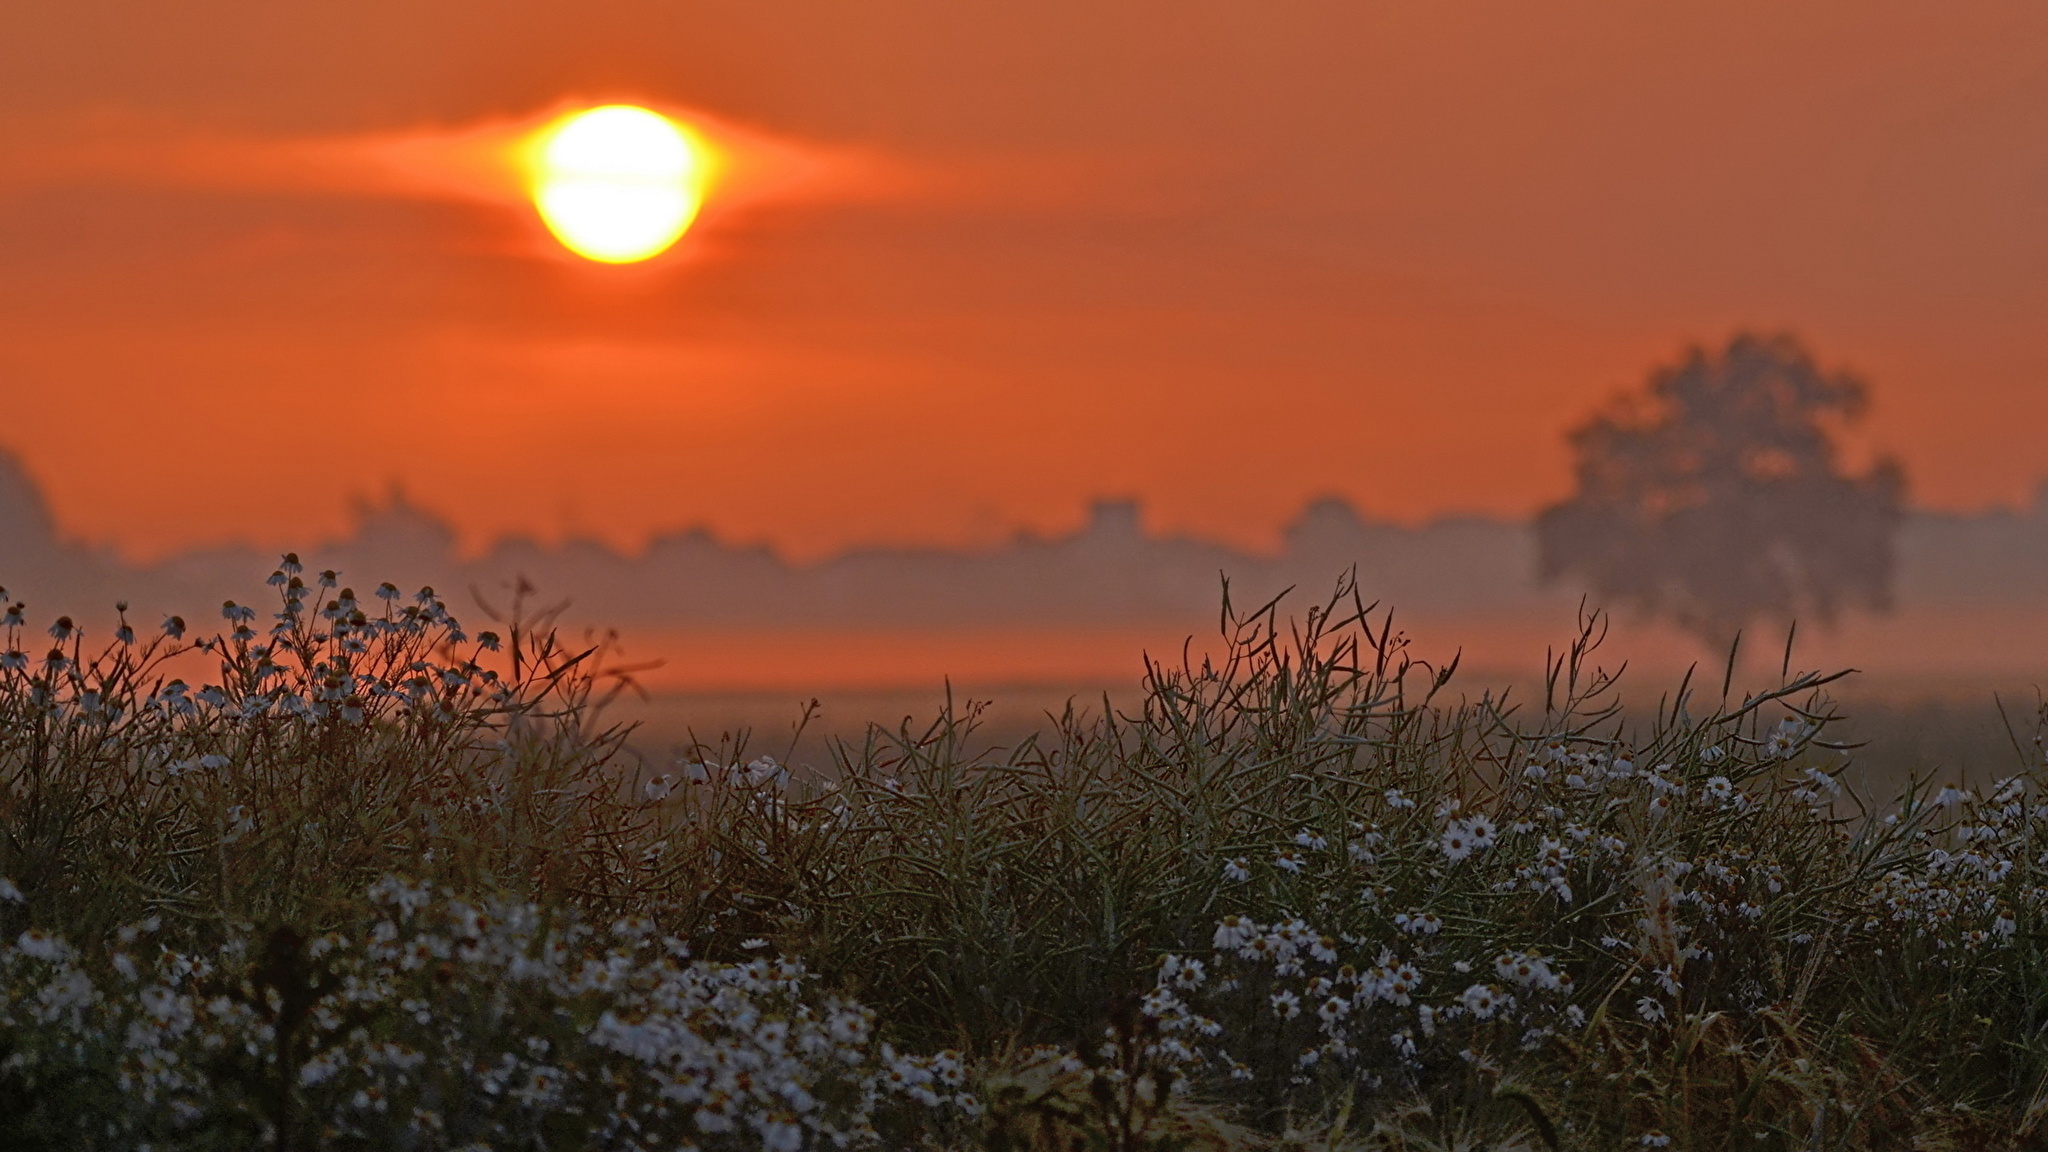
(479,162)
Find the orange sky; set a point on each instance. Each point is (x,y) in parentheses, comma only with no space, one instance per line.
(1221,256)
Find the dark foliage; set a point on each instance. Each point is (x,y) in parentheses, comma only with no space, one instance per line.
(1717,496)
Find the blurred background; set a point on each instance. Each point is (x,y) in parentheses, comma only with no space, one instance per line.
(1029,326)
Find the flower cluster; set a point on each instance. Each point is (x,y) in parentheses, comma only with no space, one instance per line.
(449,1024)
(1972,882)
(1308,1005)
(1421,927)
(326,656)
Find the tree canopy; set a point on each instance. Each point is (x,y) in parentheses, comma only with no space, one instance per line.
(1717,496)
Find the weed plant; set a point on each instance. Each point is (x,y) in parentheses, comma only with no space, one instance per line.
(347,739)
(352,892)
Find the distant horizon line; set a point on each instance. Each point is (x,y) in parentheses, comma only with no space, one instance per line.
(1107,511)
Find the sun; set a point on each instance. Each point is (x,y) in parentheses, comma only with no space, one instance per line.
(616,184)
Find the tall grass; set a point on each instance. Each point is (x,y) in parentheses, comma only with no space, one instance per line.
(346,739)
(1305,892)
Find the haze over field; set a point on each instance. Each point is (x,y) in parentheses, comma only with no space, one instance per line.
(1072,608)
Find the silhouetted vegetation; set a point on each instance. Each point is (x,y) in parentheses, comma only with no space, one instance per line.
(1717,496)
(379,882)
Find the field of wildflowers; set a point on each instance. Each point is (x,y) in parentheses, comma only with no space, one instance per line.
(368,879)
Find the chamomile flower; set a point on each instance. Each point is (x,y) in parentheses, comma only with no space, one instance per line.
(1233,933)
(1481,1000)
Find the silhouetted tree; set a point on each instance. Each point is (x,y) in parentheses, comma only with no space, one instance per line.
(1716,497)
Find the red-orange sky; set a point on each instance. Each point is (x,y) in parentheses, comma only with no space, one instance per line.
(1220,256)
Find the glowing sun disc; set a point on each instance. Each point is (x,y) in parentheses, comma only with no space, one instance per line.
(616,184)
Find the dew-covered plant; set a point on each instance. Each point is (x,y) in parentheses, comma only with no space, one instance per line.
(1303,894)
